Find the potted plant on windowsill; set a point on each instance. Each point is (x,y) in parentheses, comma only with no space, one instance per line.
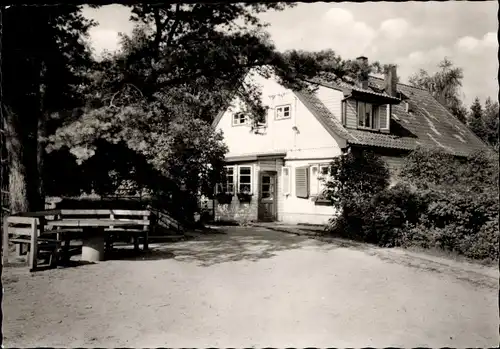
(245,195)
(224,197)
(322,199)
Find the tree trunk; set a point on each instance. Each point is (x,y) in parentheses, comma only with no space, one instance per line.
(23,172)
(41,143)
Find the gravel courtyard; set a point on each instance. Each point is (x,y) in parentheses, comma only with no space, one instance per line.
(247,286)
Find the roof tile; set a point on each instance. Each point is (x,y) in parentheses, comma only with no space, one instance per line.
(428,123)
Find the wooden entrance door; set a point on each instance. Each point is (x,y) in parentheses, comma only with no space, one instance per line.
(267,196)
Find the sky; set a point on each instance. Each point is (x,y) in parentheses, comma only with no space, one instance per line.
(413,35)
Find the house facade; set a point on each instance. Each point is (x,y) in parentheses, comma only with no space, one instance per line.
(275,171)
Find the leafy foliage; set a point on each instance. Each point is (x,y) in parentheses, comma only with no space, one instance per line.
(444,85)
(442,202)
(355,176)
(483,121)
(44,62)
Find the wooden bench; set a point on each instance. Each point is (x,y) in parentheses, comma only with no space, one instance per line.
(139,218)
(27,231)
(42,233)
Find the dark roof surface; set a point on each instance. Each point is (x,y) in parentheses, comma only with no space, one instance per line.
(427,124)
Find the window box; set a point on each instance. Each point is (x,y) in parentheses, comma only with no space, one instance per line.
(245,197)
(322,199)
(224,198)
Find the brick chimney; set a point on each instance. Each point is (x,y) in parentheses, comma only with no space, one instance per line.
(362,81)
(391,81)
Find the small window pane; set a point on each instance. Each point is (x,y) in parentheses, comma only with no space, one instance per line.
(245,170)
(361,113)
(368,115)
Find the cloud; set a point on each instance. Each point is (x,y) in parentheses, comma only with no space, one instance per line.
(104,39)
(394,28)
(490,39)
(339,17)
(414,35)
(343,31)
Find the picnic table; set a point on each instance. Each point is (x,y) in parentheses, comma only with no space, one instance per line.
(94,235)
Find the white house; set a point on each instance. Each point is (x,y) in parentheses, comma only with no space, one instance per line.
(280,164)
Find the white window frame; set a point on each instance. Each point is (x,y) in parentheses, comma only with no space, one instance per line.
(388,115)
(374,109)
(321,182)
(239,116)
(280,110)
(313,180)
(221,185)
(316,184)
(284,180)
(238,178)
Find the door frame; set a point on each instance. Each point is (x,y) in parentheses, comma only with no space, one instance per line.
(274,180)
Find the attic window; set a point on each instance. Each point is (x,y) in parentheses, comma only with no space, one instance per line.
(372,116)
(283,112)
(239,119)
(367,115)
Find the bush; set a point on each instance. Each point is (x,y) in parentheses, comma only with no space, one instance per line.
(354,177)
(446,203)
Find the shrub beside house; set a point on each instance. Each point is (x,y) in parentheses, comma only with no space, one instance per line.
(440,202)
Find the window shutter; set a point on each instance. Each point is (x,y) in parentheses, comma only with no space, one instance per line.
(285,177)
(384,116)
(301,182)
(344,112)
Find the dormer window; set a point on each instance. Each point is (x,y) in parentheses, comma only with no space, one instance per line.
(283,112)
(373,116)
(368,115)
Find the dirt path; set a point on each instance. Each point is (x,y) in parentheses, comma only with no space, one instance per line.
(253,287)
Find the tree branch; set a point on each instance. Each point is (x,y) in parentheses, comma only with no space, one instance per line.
(174,26)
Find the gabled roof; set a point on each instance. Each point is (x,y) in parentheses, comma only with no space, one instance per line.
(427,124)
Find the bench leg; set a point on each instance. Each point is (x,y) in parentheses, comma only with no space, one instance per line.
(19,250)
(65,257)
(109,243)
(136,242)
(146,242)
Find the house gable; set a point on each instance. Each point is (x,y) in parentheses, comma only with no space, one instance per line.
(290,125)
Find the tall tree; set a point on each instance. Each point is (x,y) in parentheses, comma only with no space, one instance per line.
(491,122)
(444,85)
(180,66)
(484,121)
(475,119)
(181,63)
(42,55)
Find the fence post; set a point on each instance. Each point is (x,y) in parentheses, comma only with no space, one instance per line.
(146,233)
(34,245)
(5,240)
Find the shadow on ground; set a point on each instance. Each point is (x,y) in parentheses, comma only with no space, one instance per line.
(233,244)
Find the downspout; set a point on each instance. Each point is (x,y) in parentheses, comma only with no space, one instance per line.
(295,123)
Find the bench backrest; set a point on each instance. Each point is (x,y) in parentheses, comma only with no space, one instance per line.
(137,216)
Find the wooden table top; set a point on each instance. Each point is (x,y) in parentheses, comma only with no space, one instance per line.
(90,223)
